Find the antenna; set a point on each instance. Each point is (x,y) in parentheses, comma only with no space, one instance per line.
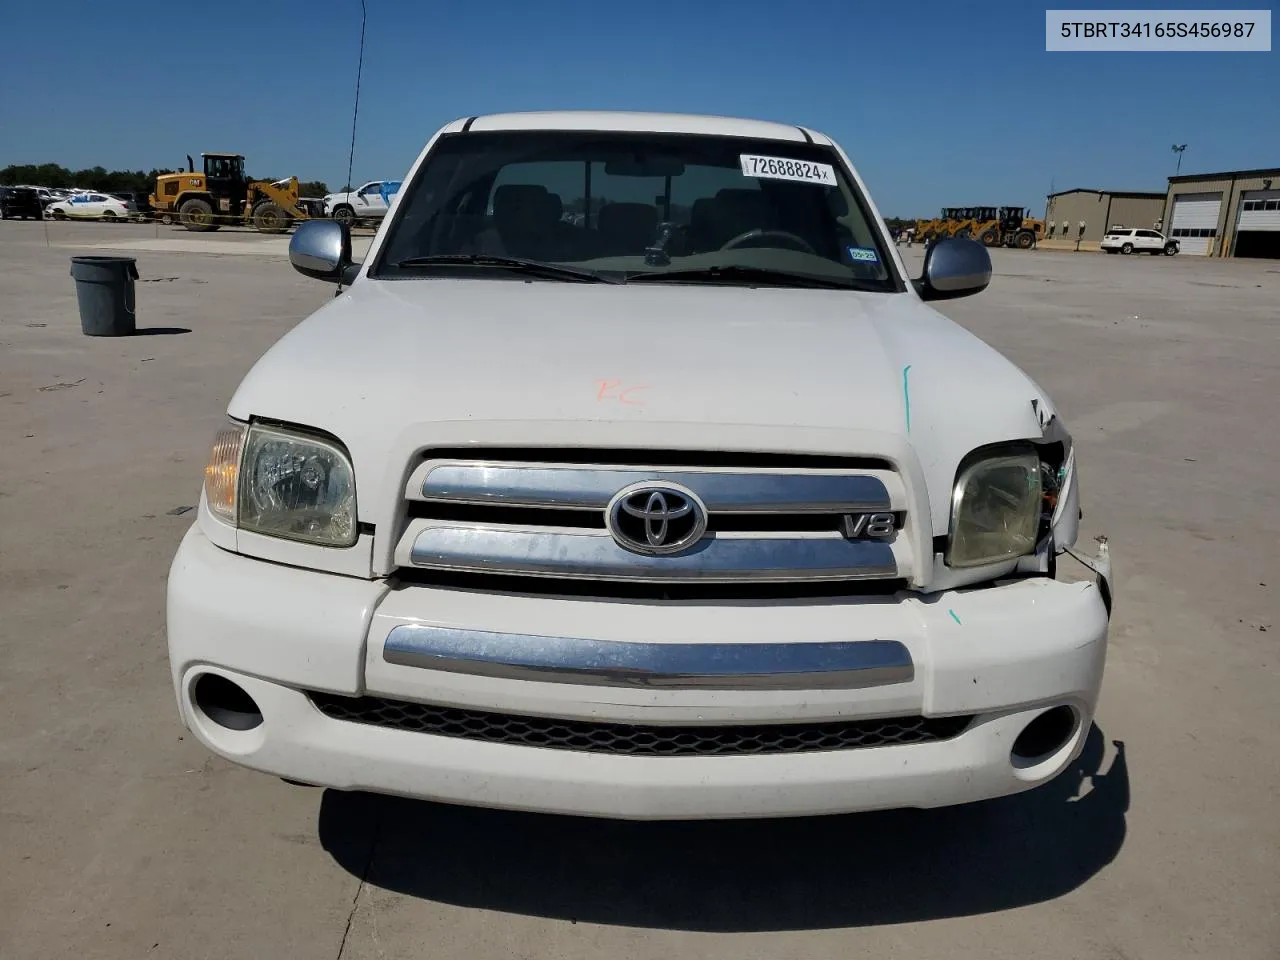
(1178,148)
(355,114)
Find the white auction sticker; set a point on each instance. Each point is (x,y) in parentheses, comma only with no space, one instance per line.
(780,168)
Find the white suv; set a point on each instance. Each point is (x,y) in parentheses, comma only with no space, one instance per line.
(690,506)
(1128,240)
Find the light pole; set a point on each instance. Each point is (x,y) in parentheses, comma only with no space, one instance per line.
(1178,150)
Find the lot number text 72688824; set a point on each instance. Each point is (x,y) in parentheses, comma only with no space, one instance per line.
(780,168)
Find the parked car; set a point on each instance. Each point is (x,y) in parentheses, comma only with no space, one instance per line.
(756,532)
(138,203)
(369,202)
(88,206)
(42,194)
(20,202)
(1128,240)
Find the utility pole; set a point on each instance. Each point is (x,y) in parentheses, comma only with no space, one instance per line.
(1178,150)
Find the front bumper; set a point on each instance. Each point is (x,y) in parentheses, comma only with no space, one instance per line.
(1003,655)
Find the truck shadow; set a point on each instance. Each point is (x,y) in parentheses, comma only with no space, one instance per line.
(756,875)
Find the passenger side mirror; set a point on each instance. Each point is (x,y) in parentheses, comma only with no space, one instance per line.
(954,267)
(321,249)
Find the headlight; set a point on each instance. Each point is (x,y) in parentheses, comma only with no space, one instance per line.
(282,483)
(995,510)
(297,486)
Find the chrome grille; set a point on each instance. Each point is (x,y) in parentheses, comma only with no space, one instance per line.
(576,487)
(771,523)
(637,739)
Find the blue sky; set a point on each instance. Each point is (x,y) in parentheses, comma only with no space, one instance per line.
(937,103)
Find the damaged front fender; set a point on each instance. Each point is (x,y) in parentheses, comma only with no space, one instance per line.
(1064,525)
(1100,565)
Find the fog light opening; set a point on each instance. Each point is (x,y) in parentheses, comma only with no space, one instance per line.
(1044,736)
(225,703)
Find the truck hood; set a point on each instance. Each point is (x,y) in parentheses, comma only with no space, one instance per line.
(392,367)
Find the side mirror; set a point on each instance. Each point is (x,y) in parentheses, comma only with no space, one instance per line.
(954,267)
(321,249)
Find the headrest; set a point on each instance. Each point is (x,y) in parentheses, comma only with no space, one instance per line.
(525,205)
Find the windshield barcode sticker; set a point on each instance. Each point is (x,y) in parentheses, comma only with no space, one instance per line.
(780,168)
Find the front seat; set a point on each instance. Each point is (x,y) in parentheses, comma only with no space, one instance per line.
(525,215)
(526,223)
(626,228)
(735,211)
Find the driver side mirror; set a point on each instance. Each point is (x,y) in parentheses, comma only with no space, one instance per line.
(321,249)
(954,267)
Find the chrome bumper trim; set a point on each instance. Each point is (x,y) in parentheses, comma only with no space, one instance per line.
(579,488)
(726,666)
(724,558)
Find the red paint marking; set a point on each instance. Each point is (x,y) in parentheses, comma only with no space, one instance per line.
(614,390)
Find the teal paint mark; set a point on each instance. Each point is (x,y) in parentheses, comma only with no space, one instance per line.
(906,395)
(954,617)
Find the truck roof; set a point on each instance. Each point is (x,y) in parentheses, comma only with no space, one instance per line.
(638,122)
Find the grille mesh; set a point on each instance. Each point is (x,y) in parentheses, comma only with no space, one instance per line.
(641,740)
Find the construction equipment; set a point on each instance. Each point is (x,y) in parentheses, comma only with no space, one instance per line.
(973,222)
(961,221)
(994,227)
(1013,228)
(221,194)
(924,229)
(940,226)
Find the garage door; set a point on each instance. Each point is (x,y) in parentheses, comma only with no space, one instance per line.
(1258,229)
(1194,223)
(1259,210)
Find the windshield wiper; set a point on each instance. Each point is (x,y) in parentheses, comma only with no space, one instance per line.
(767,275)
(535,268)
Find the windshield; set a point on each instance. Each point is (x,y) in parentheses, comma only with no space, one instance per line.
(660,207)
(224,168)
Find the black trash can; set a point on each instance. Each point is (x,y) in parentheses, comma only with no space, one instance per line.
(104,287)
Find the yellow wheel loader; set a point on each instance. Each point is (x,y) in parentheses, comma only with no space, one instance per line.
(220,194)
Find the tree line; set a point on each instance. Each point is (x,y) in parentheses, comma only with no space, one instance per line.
(110,181)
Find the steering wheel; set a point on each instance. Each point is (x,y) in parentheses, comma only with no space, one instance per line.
(760,233)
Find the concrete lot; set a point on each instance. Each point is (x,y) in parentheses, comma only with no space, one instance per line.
(120,839)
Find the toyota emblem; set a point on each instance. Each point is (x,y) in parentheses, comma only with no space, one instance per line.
(656,518)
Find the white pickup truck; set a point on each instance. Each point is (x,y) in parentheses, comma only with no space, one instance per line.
(630,475)
(369,201)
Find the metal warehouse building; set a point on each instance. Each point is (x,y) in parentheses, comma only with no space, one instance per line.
(1230,214)
(1100,209)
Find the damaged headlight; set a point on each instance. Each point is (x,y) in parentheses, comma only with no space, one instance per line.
(995,509)
(283,483)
